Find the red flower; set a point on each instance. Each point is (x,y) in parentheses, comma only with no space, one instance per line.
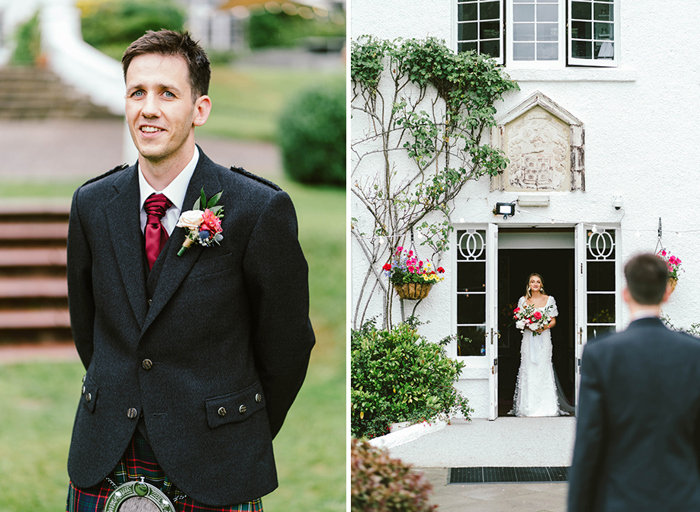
(210,222)
(441,270)
(537,315)
(387,267)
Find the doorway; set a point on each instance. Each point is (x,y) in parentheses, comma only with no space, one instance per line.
(556,265)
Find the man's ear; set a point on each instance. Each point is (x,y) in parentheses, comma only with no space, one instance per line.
(667,294)
(202,109)
(626,295)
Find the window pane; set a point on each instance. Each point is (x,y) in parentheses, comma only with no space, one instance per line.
(604,50)
(523,13)
(466,12)
(603,12)
(471,309)
(601,276)
(523,1)
(582,49)
(548,12)
(581,10)
(524,51)
(492,48)
(595,331)
(581,30)
(547,31)
(490,30)
(524,32)
(471,277)
(465,47)
(604,31)
(601,245)
(471,245)
(467,31)
(490,11)
(547,51)
(601,308)
(477,347)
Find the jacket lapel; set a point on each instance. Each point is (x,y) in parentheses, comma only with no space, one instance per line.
(124,226)
(175,268)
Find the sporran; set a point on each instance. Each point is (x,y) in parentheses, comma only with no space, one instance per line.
(138,497)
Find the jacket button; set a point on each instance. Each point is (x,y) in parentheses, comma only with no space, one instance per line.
(83,391)
(258,397)
(132,413)
(88,397)
(150,301)
(147,364)
(221,412)
(242,409)
(84,376)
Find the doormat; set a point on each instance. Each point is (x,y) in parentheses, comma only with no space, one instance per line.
(503,475)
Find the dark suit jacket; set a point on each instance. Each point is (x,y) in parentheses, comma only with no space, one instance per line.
(225,330)
(638,430)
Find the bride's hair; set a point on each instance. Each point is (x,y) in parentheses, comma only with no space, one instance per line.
(528,292)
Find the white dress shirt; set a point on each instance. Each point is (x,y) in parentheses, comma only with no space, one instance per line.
(175,191)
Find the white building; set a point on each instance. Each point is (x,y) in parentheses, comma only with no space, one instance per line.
(614,85)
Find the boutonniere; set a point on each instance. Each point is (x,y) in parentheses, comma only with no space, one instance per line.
(204,225)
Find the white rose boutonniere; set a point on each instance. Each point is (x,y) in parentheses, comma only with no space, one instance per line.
(204,226)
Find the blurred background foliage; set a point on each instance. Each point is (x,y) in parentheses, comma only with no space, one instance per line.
(28,41)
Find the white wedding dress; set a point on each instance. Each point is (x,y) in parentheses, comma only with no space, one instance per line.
(536,390)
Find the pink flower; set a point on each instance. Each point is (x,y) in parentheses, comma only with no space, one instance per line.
(537,315)
(210,222)
(672,260)
(663,253)
(399,250)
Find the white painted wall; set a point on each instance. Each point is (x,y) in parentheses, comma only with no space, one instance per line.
(641,133)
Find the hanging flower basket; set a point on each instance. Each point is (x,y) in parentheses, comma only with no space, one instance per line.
(413,291)
(672,281)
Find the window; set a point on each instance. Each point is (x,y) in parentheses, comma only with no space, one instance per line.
(539,33)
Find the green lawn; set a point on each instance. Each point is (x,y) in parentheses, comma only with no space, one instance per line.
(246,103)
(38,400)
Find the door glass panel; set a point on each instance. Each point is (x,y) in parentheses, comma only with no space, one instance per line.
(477,346)
(598,330)
(471,309)
(471,291)
(601,276)
(601,309)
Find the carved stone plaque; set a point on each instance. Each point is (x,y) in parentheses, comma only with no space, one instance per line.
(538,146)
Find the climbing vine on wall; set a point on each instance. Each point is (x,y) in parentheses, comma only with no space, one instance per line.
(423,110)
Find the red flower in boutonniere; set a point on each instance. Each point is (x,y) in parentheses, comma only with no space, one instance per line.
(204,226)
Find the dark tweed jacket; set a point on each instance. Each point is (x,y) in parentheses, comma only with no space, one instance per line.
(210,348)
(638,428)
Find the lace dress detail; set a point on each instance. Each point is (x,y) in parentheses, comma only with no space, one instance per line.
(536,390)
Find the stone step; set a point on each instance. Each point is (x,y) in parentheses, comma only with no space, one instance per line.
(44,258)
(34,212)
(33,288)
(34,319)
(24,232)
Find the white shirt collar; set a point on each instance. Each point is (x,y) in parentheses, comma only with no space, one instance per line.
(175,191)
(645,313)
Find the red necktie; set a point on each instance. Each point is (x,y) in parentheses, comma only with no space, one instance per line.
(156,205)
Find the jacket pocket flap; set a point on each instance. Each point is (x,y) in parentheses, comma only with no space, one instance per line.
(89,393)
(234,407)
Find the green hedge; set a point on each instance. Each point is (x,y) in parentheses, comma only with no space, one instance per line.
(312,135)
(28,43)
(398,376)
(271,30)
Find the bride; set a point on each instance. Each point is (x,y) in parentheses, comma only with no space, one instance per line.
(536,390)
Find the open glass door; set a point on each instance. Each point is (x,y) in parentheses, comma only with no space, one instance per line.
(492,315)
(598,282)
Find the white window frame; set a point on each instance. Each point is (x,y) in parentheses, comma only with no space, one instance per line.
(609,63)
(456,24)
(536,64)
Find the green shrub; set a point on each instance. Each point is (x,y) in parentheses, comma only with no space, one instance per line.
(28,43)
(112,25)
(272,30)
(383,484)
(312,135)
(397,376)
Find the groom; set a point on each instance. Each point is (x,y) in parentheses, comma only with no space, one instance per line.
(638,432)
(192,360)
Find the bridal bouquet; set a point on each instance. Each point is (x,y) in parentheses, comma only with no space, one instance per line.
(529,317)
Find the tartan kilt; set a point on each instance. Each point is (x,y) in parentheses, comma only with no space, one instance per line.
(140,461)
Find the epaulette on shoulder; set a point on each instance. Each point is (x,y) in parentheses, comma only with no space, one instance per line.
(241,170)
(111,171)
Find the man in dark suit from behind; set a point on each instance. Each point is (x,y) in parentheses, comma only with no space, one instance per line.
(637,443)
(193,357)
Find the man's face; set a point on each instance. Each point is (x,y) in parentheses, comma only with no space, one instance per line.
(160,110)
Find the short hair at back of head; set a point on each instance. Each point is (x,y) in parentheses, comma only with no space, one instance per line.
(171,43)
(647,278)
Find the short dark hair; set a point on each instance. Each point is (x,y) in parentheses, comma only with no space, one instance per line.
(647,278)
(180,44)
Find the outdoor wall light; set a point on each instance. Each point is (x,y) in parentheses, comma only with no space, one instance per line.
(505,209)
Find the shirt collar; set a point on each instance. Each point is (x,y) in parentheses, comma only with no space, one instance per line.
(645,313)
(176,190)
